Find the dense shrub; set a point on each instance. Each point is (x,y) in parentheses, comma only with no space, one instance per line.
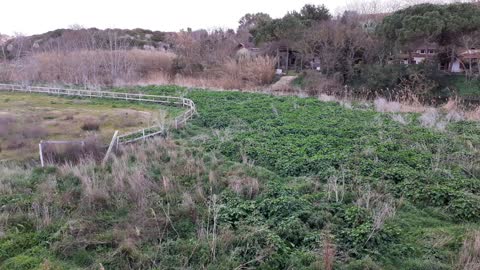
(400,82)
(90,125)
(91,147)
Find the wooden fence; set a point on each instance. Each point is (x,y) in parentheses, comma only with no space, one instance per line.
(131,137)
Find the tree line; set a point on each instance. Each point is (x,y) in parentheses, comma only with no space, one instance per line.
(361,49)
(357,50)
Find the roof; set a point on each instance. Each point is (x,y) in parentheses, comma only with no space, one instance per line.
(470,54)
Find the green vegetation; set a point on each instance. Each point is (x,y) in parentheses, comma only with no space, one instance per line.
(264,29)
(255,181)
(466,87)
(443,24)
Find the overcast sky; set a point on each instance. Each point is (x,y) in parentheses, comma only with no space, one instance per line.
(38,16)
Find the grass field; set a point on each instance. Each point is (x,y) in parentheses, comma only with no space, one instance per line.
(26,119)
(257,182)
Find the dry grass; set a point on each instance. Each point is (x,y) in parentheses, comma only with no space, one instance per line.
(469,258)
(399,118)
(247,187)
(126,183)
(242,74)
(457,111)
(473,114)
(121,67)
(379,202)
(327,98)
(92,147)
(429,118)
(382,105)
(28,119)
(328,254)
(89,67)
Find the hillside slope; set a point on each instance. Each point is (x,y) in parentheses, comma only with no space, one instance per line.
(257,182)
(85,39)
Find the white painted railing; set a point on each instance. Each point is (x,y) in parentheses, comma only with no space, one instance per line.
(131,137)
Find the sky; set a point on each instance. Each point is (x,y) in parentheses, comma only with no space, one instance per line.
(38,16)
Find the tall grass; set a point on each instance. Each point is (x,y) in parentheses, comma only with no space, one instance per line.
(87,67)
(469,258)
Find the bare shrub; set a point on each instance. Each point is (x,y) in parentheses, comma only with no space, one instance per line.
(90,125)
(247,187)
(94,188)
(90,67)
(454,116)
(130,180)
(473,114)
(429,118)
(327,98)
(246,72)
(316,83)
(42,214)
(451,105)
(6,123)
(328,254)
(469,258)
(6,120)
(380,203)
(14,143)
(167,184)
(150,62)
(336,186)
(74,152)
(382,105)
(399,119)
(34,131)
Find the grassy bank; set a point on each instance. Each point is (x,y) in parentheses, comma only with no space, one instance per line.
(257,181)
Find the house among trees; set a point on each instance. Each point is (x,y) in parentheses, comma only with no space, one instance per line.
(465,60)
(287,58)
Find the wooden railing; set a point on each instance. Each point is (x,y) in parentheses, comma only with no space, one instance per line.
(131,137)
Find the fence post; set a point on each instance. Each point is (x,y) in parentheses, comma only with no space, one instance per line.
(110,147)
(143,131)
(41,153)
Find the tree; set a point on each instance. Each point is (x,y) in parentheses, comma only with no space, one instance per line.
(251,21)
(310,14)
(248,23)
(291,26)
(288,28)
(442,24)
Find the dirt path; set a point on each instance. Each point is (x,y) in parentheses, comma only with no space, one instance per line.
(283,84)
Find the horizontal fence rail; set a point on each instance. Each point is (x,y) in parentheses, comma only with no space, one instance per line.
(131,137)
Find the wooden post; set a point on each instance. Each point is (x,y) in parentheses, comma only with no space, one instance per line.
(110,147)
(41,153)
(143,131)
(278,58)
(286,61)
